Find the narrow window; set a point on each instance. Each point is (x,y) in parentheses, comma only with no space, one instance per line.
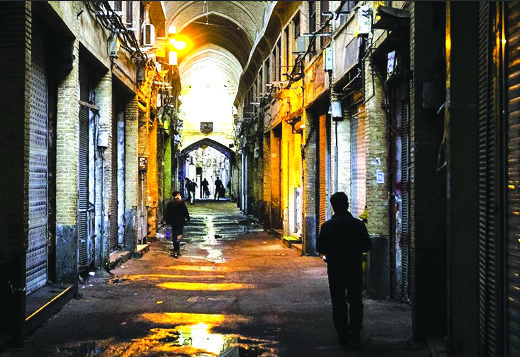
(118,5)
(312,16)
(324,6)
(129,13)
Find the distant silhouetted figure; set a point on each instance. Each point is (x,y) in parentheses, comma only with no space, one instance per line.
(188,191)
(192,186)
(343,239)
(205,188)
(218,188)
(176,216)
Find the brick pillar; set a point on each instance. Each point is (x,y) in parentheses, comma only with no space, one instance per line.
(131,173)
(104,170)
(67,154)
(377,192)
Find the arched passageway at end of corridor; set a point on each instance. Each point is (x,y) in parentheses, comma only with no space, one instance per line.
(208,163)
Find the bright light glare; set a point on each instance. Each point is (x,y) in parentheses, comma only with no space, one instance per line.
(184,318)
(205,286)
(179,45)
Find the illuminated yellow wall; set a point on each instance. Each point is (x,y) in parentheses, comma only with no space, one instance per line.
(287,108)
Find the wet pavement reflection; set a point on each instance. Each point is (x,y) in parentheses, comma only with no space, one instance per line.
(234,292)
(186,340)
(183,333)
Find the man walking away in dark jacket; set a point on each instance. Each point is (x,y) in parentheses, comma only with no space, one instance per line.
(176,216)
(342,240)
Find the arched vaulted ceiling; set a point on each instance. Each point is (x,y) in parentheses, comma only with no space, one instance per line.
(228,41)
(222,33)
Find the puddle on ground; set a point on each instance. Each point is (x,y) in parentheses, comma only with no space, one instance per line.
(188,340)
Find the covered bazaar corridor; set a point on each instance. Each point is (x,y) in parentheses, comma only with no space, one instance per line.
(224,296)
(257,112)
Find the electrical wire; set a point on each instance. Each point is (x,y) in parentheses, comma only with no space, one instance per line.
(111,21)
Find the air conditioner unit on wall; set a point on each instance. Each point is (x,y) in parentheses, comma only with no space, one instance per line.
(302,43)
(148,35)
(364,20)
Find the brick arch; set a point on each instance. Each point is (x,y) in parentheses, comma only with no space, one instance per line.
(209,142)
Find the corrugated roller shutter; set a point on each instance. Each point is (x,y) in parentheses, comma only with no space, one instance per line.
(487,197)
(322,170)
(83,187)
(113,197)
(358,165)
(513,179)
(405,203)
(36,264)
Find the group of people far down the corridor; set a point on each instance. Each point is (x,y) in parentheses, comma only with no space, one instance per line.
(191,186)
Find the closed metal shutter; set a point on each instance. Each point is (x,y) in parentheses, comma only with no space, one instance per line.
(405,204)
(83,188)
(358,165)
(488,267)
(113,197)
(36,264)
(121,179)
(513,179)
(322,170)
(86,190)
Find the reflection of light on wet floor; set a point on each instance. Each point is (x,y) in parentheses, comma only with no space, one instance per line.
(205,286)
(121,278)
(192,334)
(210,242)
(185,335)
(218,268)
(185,318)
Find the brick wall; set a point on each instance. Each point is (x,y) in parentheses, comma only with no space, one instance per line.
(131,154)
(67,145)
(377,151)
(104,101)
(131,173)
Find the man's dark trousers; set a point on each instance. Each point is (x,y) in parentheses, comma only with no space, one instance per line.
(345,288)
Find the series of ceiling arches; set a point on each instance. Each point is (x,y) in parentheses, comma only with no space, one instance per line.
(230,38)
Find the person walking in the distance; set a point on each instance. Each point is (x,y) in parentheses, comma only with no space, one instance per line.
(188,188)
(342,240)
(176,216)
(192,187)
(218,188)
(205,188)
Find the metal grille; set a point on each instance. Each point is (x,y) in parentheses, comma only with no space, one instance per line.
(36,264)
(487,197)
(513,180)
(405,203)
